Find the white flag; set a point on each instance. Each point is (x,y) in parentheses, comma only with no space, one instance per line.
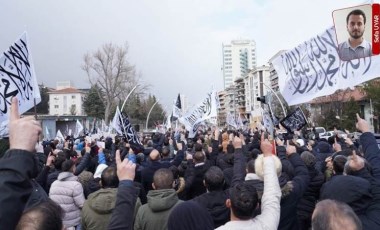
(205,110)
(231,120)
(78,128)
(314,69)
(47,133)
(60,136)
(116,123)
(18,77)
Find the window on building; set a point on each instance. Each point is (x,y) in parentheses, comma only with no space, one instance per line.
(56,106)
(73,96)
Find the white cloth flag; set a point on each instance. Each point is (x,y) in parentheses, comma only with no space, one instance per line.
(60,136)
(168,123)
(78,128)
(267,122)
(205,110)
(314,69)
(116,123)
(231,120)
(18,78)
(47,133)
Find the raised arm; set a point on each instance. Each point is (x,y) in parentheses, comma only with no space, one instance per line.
(122,215)
(270,202)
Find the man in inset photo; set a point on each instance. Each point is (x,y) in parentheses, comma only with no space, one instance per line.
(356,46)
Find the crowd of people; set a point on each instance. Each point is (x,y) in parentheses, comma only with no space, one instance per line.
(220,179)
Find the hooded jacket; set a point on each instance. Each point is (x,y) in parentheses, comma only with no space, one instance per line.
(97,210)
(154,215)
(68,193)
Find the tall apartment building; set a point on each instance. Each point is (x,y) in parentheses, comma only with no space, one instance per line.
(273,74)
(239,57)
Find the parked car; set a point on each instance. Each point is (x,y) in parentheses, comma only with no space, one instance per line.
(329,134)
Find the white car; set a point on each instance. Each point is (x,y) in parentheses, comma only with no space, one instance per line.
(328,134)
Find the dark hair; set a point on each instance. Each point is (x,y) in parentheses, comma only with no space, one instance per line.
(67,165)
(47,215)
(332,214)
(109,178)
(251,166)
(59,160)
(356,12)
(230,148)
(199,157)
(338,164)
(243,200)
(165,151)
(214,178)
(198,147)
(163,179)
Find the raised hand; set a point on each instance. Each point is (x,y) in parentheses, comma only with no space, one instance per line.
(23,132)
(362,125)
(125,169)
(265,146)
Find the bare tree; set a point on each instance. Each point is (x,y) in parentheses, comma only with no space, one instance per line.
(109,68)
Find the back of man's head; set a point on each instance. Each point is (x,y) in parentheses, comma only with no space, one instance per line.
(109,178)
(165,152)
(243,198)
(339,162)
(198,147)
(251,166)
(47,215)
(154,155)
(214,179)
(163,179)
(334,215)
(199,157)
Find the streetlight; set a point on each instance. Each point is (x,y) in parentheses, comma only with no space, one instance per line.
(147,119)
(129,94)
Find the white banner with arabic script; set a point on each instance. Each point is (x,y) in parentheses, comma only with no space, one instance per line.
(314,69)
(18,77)
(205,110)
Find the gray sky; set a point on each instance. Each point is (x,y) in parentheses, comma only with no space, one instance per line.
(176,45)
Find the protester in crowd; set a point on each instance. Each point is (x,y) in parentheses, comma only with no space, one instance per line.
(334,215)
(17,167)
(190,215)
(307,203)
(68,193)
(97,209)
(122,215)
(243,197)
(214,200)
(161,201)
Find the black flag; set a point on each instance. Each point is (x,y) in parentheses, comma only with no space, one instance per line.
(127,129)
(294,121)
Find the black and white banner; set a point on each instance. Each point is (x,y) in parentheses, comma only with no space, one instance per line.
(314,69)
(177,113)
(207,109)
(18,78)
(294,121)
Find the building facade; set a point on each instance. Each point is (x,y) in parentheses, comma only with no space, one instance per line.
(273,74)
(239,57)
(256,84)
(66,100)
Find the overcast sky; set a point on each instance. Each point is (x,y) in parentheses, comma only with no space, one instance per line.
(176,45)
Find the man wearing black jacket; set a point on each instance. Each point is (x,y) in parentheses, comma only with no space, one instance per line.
(17,167)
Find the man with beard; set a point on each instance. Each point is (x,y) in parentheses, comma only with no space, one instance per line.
(355,47)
